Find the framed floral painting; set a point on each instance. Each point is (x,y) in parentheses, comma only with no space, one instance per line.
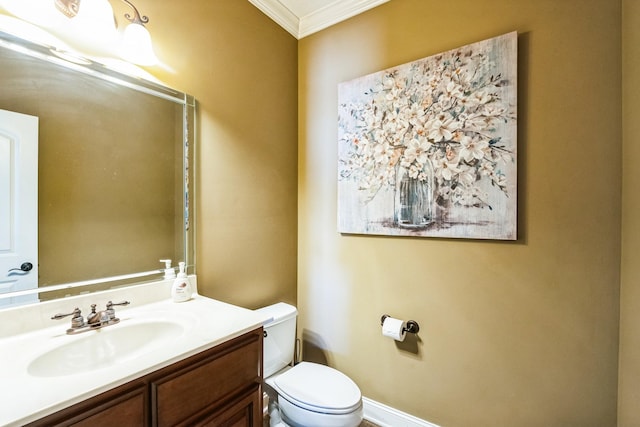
(429,148)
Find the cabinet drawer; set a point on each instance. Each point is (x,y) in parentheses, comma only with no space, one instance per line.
(207,379)
(125,405)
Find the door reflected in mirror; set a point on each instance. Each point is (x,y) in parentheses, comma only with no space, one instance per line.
(18,205)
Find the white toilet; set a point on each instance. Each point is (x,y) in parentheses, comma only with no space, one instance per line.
(307,394)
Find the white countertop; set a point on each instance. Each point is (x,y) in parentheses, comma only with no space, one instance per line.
(26,397)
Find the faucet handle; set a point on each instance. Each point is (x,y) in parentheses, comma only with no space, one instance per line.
(110,303)
(77,320)
(110,310)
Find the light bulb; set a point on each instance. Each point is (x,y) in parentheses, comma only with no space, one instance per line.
(93,29)
(136,45)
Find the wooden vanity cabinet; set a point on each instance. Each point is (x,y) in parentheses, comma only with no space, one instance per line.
(218,387)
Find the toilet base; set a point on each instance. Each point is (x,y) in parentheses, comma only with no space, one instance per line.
(274,416)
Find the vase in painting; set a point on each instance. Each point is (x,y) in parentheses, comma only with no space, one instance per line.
(414,207)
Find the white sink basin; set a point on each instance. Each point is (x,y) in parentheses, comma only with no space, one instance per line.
(105,347)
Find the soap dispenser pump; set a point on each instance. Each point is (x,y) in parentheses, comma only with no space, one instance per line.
(181,289)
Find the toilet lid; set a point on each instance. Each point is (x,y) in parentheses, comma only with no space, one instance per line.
(319,388)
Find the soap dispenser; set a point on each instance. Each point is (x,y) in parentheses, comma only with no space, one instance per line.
(169,272)
(181,289)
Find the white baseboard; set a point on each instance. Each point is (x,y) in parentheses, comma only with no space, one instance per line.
(386,416)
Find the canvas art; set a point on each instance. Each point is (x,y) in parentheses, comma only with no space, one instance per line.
(429,149)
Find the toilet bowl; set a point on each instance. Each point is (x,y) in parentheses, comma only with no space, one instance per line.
(307,394)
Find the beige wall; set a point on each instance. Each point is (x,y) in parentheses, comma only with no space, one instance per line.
(512,334)
(629,375)
(241,67)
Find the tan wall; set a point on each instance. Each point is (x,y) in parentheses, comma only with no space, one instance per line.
(512,334)
(629,375)
(241,67)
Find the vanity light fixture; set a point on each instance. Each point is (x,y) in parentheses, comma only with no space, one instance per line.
(135,42)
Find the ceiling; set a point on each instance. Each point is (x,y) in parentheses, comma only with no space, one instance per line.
(304,17)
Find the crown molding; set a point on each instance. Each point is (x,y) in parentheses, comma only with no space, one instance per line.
(302,26)
(333,13)
(280,14)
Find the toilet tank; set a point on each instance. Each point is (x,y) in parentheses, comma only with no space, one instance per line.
(280,337)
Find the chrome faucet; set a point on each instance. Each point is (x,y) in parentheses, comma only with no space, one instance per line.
(95,319)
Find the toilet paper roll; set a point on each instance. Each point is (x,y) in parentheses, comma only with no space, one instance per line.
(394,328)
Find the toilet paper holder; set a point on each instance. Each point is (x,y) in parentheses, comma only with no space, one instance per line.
(412,325)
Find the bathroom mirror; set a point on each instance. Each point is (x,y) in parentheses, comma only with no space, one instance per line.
(115,175)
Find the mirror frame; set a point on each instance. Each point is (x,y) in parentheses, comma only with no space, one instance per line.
(85,65)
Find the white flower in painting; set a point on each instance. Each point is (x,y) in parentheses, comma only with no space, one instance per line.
(378,135)
(362,145)
(467,102)
(394,96)
(399,84)
(419,132)
(389,83)
(418,150)
(394,123)
(427,101)
(464,78)
(475,122)
(504,157)
(453,90)
(445,168)
(472,148)
(382,153)
(500,180)
(396,139)
(441,128)
(486,169)
(414,114)
(414,171)
(481,97)
(434,81)
(394,91)
(469,196)
(370,119)
(450,153)
(466,175)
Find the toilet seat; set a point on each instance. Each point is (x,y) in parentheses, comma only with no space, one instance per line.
(318,388)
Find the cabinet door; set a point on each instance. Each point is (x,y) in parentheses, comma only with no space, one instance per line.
(122,406)
(245,411)
(187,392)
